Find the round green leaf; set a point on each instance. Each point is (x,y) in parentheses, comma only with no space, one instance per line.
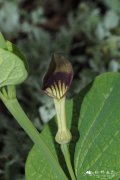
(12,69)
(97,154)
(15,50)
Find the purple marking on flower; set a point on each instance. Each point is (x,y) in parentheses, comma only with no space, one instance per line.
(59,71)
(59,76)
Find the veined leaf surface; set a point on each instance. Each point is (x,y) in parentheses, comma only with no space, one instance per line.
(12,69)
(97,154)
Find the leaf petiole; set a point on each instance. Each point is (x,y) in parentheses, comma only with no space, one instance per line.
(15,109)
(65,151)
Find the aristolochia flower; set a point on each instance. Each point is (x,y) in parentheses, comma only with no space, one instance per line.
(58,78)
(56,83)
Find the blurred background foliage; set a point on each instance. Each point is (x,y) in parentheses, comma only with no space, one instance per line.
(88,32)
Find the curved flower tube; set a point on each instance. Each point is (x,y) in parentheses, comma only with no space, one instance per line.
(56,83)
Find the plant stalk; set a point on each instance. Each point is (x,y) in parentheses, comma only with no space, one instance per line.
(15,109)
(65,151)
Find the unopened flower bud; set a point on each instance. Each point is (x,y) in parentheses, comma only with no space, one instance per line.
(56,83)
(58,78)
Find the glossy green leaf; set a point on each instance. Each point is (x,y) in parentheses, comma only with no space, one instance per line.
(12,69)
(15,50)
(2,41)
(37,166)
(97,154)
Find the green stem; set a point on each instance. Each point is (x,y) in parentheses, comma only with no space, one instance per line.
(65,151)
(15,109)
